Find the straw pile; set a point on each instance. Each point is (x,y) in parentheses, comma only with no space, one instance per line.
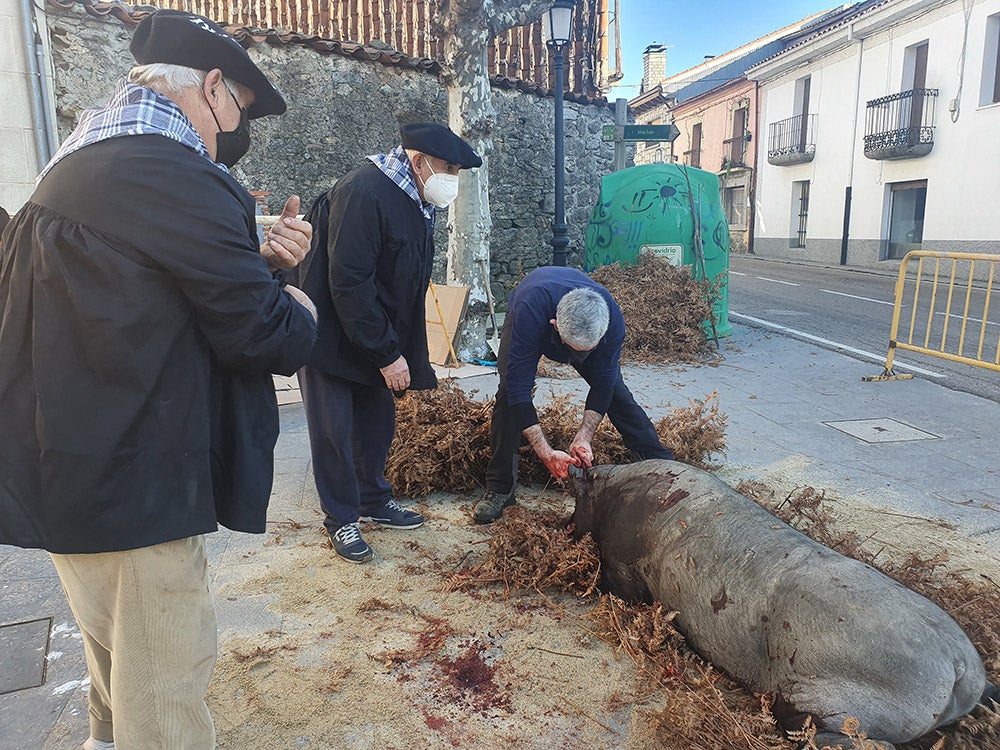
(442,441)
(695,432)
(664,309)
(533,551)
(704,708)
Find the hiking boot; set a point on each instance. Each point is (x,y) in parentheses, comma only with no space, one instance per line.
(490,506)
(393,516)
(350,545)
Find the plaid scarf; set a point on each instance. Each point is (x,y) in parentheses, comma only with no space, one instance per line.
(396,167)
(133,110)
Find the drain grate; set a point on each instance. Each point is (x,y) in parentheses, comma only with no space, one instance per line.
(881,430)
(23,646)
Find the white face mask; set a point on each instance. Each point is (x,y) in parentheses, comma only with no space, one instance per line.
(440,189)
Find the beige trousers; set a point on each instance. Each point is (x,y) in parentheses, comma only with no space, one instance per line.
(149,636)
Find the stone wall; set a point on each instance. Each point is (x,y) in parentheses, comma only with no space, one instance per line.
(342,109)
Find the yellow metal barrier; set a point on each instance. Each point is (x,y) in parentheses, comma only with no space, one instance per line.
(922,327)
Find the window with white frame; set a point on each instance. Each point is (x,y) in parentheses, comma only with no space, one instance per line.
(734,201)
(911,110)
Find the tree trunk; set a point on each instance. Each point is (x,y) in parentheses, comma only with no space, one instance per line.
(467,27)
(470,115)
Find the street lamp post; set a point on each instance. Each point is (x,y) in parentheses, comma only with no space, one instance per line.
(558,27)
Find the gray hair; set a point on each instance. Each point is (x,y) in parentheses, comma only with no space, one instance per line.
(172,79)
(582,316)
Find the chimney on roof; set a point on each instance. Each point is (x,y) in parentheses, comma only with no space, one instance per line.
(654,66)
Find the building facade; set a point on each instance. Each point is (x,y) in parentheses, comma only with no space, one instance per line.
(879,136)
(714,107)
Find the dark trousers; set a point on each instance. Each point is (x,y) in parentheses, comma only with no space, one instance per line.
(637,431)
(351,427)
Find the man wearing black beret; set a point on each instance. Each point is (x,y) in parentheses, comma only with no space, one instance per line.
(141,324)
(368,271)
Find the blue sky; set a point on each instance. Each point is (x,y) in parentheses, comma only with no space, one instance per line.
(696,28)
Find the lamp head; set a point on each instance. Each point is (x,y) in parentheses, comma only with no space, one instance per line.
(557,25)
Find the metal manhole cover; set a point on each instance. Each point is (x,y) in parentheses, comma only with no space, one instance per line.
(23,646)
(881,430)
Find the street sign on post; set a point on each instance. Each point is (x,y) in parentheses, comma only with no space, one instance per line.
(650,132)
(619,133)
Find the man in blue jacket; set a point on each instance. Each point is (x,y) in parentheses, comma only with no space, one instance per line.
(140,323)
(565,315)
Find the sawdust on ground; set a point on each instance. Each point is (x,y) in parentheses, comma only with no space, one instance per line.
(380,656)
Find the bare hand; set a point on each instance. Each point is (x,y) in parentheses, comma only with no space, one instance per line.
(582,454)
(299,296)
(558,463)
(287,242)
(397,374)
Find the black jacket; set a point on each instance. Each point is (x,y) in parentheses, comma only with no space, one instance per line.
(367,273)
(139,326)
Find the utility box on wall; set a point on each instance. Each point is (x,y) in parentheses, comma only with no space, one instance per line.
(670,210)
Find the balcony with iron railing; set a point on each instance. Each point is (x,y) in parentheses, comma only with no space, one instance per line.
(901,126)
(792,141)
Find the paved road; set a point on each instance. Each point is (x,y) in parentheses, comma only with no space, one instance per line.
(850,310)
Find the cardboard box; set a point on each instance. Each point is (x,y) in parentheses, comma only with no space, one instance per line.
(443,319)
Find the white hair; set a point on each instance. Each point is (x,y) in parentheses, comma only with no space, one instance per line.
(173,79)
(411,152)
(582,316)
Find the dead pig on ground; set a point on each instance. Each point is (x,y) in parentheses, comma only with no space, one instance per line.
(832,637)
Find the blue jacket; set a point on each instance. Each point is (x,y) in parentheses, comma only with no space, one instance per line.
(531,307)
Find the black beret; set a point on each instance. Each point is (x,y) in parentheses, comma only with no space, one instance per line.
(437,140)
(179,38)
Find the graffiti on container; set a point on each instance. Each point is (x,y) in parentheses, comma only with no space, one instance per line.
(628,231)
(662,193)
(656,206)
(652,201)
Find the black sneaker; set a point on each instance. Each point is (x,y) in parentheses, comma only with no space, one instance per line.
(394,516)
(350,545)
(490,506)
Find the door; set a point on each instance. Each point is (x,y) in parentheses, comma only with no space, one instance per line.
(906,217)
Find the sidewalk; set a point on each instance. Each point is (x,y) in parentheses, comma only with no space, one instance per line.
(911,451)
